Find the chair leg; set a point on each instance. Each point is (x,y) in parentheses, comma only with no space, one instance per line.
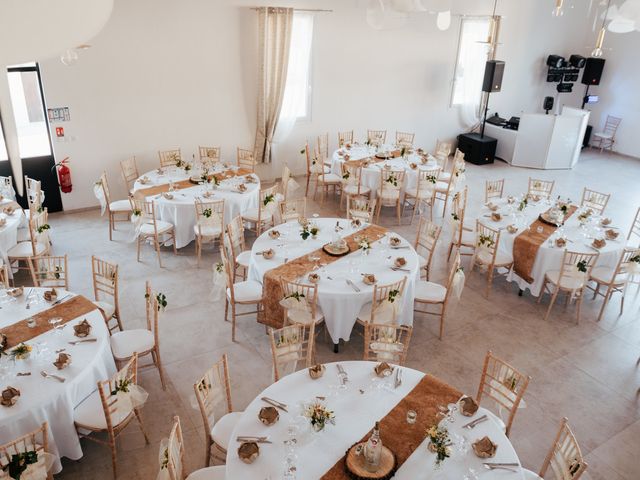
(441,325)
(413,215)
(233,322)
(111,226)
(306,192)
(553,300)
(173,238)
(198,250)
(226,308)
(489,280)
(141,425)
(112,444)
(579,306)
(156,359)
(138,242)
(157,244)
(398,212)
(444,206)
(596,291)
(207,458)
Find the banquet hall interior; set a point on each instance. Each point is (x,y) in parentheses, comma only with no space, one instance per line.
(320,239)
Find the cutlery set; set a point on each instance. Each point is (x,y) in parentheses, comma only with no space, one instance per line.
(475,422)
(398,380)
(275,403)
(50,375)
(342,374)
(82,340)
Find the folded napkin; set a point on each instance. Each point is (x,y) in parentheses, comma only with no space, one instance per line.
(82,329)
(9,396)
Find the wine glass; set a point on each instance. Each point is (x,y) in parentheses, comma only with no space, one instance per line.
(55,322)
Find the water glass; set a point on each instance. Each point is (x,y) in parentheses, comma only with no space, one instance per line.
(412,416)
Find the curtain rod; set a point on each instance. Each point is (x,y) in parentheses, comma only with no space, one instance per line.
(299,9)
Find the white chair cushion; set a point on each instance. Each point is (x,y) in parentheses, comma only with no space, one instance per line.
(430,292)
(244,258)
(423,261)
(91,414)
(606,136)
(24,250)
(247,291)
(389,195)
(605,274)
(23,235)
(502,258)
(304,317)
(568,283)
(365,315)
(353,189)
(413,192)
(223,428)
(251,215)
(330,178)
(209,473)
(106,307)
(120,206)
(162,226)
(468,238)
(125,343)
(442,187)
(207,230)
(444,176)
(529,475)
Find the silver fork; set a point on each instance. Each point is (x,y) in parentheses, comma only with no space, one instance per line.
(84,340)
(50,375)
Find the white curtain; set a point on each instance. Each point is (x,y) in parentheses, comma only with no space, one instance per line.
(296,96)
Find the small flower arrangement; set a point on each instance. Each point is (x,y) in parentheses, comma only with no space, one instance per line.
(43,227)
(431,178)
(392,179)
(162,300)
(164,463)
(319,415)
(635,259)
(459,170)
(121,385)
(187,166)
(314,230)
(364,244)
(21,351)
(523,204)
(136,212)
(455,217)
(207,213)
(305,233)
(296,295)
(219,267)
(511,382)
(346,175)
(439,443)
(268,199)
(392,295)
(584,216)
(3,344)
(19,463)
(204,176)
(404,151)
(485,240)
(582,266)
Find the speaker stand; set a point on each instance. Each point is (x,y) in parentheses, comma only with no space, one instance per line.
(486,109)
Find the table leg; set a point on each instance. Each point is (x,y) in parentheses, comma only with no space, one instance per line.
(520,292)
(336,347)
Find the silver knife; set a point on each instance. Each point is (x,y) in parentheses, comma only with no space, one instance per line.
(61,299)
(353,285)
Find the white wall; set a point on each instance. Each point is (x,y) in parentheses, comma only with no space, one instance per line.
(164,74)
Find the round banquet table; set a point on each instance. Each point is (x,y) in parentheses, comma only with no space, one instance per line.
(371,174)
(316,455)
(45,399)
(9,231)
(340,303)
(549,257)
(180,210)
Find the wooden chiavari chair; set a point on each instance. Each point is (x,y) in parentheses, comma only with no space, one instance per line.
(114,208)
(488,254)
(292,348)
(503,384)
(247,292)
(493,189)
(36,441)
(293,210)
(444,190)
(35,196)
(607,137)
(377,137)
(237,248)
(50,271)
(565,457)
(300,303)
(425,245)
(263,216)
(213,393)
(433,294)
(169,158)
(6,187)
(344,138)
(314,168)
(284,184)
(209,226)
(326,180)
(382,294)
(361,208)
(596,201)
(140,342)
(209,155)
(571,279)
(174,459)
(322,148)
(246,159)
(130,173)
(386,343)
(540,188)
(152,228)
(442,153)
(463,237)
(4,276)
(104,412)
(389,193)
(404,139)
(105,290)
(37,245)
(352,182)
(633,236)
(614,280)
(423,192)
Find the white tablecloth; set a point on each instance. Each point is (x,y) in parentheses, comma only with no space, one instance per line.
(549,256)
(180,210)
(338,301)
(45,399)
(371,174)
(9,232)
(355,415)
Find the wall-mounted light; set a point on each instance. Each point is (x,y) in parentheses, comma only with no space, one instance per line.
(558,11)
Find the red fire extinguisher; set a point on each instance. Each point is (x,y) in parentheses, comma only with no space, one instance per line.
(64,176)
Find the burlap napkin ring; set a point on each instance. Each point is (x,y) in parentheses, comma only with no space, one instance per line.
(468,406)
(63,361)
(82,329)
(484,448)
(9,396)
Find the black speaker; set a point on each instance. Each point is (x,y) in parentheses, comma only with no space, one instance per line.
(547,104)
(564,87)
(493,71)
(555,61)
(577,61)
(593,71)
(477,150)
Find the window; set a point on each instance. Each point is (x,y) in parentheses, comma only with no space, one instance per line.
(28,111)
(296,103)
(470,63)
(3,148)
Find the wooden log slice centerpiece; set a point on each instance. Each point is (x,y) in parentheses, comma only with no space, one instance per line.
(356,469)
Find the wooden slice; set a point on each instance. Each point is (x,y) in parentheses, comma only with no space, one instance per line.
(336,252)
(544,217)
(356,468)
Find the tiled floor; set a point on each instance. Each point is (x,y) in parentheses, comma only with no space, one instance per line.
(586,372)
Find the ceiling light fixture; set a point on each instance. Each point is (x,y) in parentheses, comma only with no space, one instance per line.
(597,52)
(558,11)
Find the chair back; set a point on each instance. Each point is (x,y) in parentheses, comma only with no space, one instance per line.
(104,184)
(129,171)
(575,269)
(427,239)
(387,302)
(268,202)
(213,393)
(540,188)
(50,271)
(493,189)
(6,187)
(292,348)
(443,150)
(377,137)
(344,138)
(565,457)
(502,384)
(487,242)
(299,301)
(322,144)
(209,215)
(611,125)
(105,284)
(4,276)
(596,201)
(169,158)
(108,391)
(284,182)
(209,155)
(391,182)
(246,159)
(235,236)
(386,343)
(361,208)
(227,268)
(34,193)
(36,441)
(39,229)
(426,187)
(404,139)
(634,231)
(458,211)
(352,174)
(147,209)
(153,311)
(293,210)
(172,454)
(457,263)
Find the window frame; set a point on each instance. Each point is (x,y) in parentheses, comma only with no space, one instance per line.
(307,117)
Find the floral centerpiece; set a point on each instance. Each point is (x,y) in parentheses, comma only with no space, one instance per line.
(523,204)
(162,300)
(21,351)
(365,245)
(3,344)
(392,179)
(319,415)
(43,227)
(439,443)
(585,216)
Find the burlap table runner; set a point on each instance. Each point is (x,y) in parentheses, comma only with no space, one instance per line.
(67,310)
(396,434)
(370,159)
(157,189)
(527,244)
(273,314)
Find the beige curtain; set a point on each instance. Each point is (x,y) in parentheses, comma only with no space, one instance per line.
(274,35)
